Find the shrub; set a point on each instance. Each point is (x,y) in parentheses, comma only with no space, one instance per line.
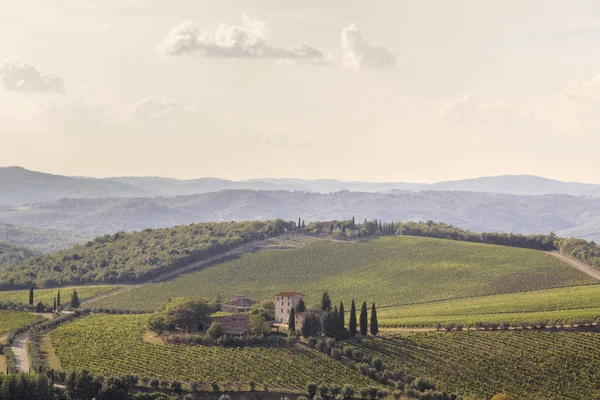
(311,389)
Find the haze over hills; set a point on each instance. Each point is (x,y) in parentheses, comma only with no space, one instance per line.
(563,214)
(20,186)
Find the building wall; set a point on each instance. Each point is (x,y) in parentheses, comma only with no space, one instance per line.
(283,305)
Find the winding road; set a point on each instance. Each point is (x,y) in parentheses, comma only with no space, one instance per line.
(20,349)
(586,269)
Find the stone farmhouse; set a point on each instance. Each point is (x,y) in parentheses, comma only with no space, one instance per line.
(235,326)
(284,302)
(239,304)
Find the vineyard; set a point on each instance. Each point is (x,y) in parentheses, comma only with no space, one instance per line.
(13,319)
(113,344)
(46,296)
(559,305)
(522,364)
(389,271)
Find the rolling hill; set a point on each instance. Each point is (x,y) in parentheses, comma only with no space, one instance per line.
(389,271)
(44,240)
(475,211)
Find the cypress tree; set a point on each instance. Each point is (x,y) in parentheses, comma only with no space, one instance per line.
(292,322)
(353,222)
(342,322)
(301,306)
(326,302)
(31,296)
(58,298)
(299,223)
(75,303)
(374,323)
(54,308)
(363,319)
(352,325)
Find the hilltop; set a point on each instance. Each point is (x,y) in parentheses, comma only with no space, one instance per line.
(388,270)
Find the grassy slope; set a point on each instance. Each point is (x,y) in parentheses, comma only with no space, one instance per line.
(113,344)
(523,364)
(549,305)
(389,271)
(46,296)
(13,319)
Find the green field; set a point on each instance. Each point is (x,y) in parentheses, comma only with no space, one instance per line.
(113,344)
(389,270)
(523,364)
(13,319)
(559,305)
(47,296)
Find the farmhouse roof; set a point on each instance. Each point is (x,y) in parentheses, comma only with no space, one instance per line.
(291,294)
(241,303)
(233,324)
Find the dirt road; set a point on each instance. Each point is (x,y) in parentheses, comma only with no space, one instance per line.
(586,269)
(20,350)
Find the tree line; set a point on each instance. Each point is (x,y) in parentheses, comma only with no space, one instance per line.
(137,256)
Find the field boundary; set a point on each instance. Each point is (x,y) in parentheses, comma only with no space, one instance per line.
(586,269)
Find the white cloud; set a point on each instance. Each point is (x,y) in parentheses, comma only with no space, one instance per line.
(358,53)
(584,90)
(26,78)
(152,107)
(248,40)
(470,109)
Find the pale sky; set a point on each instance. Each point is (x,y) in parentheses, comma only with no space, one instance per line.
(378,90)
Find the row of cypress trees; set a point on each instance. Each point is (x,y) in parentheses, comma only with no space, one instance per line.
(75,302)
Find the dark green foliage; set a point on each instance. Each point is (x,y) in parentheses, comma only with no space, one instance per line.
(325,302)
(311,389)
(137,256)
(331,323)
(75,302)
(363,319)
(374,323)
(311,326)
(292,322)
(352,324)
(24,386)
(584,251)
(82,385)
(301,306)
(184,313)
(15,254)
(341,321)
(58,298)
(31,296)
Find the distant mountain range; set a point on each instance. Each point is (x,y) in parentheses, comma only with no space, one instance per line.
(564,214)
(19,186)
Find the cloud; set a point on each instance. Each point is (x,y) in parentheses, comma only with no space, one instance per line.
(153,107)
(248,40)
(467,109)
(26,78)
(357,53)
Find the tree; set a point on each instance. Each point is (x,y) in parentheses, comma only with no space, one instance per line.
(363,319)
(352,325)
(186,313)
(292,322)
(301,306)
(331,323)
(311,326)
(269,306)
(258,325)
(58,298)
(341,317)
(326,302)
(31,296)
(54,308)
(39,308)
(374,323)
(215,331)
(218,303)
(75,302)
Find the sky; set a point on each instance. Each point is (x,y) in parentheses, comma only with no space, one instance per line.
(385,90)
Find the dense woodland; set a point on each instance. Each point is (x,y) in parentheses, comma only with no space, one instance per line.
(15,254)
(135,257)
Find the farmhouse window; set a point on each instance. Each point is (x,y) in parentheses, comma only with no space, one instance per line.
(282,310)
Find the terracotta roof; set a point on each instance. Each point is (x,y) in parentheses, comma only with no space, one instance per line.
(290,294)
(241,303)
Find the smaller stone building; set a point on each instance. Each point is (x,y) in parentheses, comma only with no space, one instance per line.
(234,326)
(239,304)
